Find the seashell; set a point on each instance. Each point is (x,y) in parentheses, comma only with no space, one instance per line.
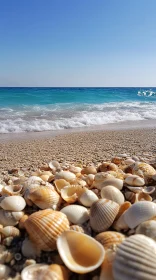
(117,160)
(7,241)
(139,212)
(45,226)
(60,184)
(22,221)
(75,169)
(4,271)
(143,196)
(5,255)
(55,271)
(112,193)
(46,177)
(89,170)
(134,180)
(147,228)
(77,228)
(102,214)
(154,177)
(8,218)
(9,231)
(135,189)
(29,250)
(129,161)
(135,259)
(71,193)
(119,220)
(12,190)
(110,239)
(130,196)
(149,189)
(87,198)
(54,165)
(100,178)
(13,203)
(90,179)
(76,250)
(144,170)
(107,166)
(34,272)
(45,197)
(76,214)
(115,182)
(66,175)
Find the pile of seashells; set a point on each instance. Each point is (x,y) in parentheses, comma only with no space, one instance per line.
(67,221)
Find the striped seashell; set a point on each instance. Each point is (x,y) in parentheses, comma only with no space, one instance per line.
(76,214)
(66,175)
(134,180)
(9,231)
(115,182)
(45,226)
(102,214)
(13,203)
(45,197)
(147,228)
(60,184)
(47,176)
(110,239)
(76,250)
(112,193)
(89,170)
(87,198)
(107,166)
(135,259)
(9,218)
(71,193)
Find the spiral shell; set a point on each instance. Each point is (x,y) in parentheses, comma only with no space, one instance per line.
(13,203)
(135,259)
(147,228)
(76,250)
(76,214)
(112,193)
(45,226)
(102,214)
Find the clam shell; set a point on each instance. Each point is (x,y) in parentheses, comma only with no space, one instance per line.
(89,170)
(55,271)
(147,228)
(45,197)
(77,228)
(10,231)
(115,182)
(76,214)
(54,165)
(135,259)
(76,250)
(134,180)
(13,203)
(12,190)
(90,179)
(45,226)
(60,184)
(8,218)
(112,193)
(100,178)
(109,239)
(71,193)
(107,166)
(143,169)
(75,169)
(139,212)
(102,214)
(33,272)
(87,198)
(66,175)
(129,161)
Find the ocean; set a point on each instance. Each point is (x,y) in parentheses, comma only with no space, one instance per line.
(43,109)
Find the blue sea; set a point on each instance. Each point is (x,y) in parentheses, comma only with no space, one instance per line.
(41,109)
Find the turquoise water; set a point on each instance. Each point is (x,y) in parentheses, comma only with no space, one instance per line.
(39,109)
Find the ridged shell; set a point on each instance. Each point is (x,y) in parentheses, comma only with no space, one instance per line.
(45,197)
(134,180)
(107,166)
(139,212)
(13,203)
(76,250)
(102,214)
(76,214)
(9,218)
(112,193)
(118,183)
(60,184)
(135,259)
(33,272)
(10,231)
(66,175)
(87,198)
(109,239)
(147,228)
(89,170)
(71,193)
(45,226)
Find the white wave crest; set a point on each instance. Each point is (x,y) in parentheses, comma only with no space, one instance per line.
(146,93)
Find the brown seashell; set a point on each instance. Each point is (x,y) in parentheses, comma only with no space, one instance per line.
(117,160)
(55,272)
(60,184)
(123,208)
(89,170)
(109,239)
(71,193)
(22,221)
(107,166)
(102,214)
(45,226)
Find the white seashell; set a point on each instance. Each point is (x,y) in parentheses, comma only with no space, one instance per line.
(76,214)
(112,193)
(129,161)
(88,198)
(4,271)
(100,177)
(60,184)
(135,259)
(75,169)
(8,218)
(29,250)
(13,203)
(149,189)
(9,231)
(12,190)
(147,228)
(115,182)
(66,175)
(54,165)
(90,179)
(139,212)
(134,180)
(76,250)
(135,189)
(71,193)
(33,272)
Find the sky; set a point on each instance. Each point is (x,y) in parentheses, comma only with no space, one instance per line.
(78,43)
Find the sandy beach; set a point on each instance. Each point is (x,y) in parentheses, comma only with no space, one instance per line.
(93,145)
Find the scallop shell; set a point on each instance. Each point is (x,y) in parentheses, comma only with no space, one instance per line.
(76,250)
(12,190)
(34,272)
(76,214)
(8,218)
(115,182)
(9,231)
(112,193)
(71,193)
(139,212)
(89,170)
(60,184)
(107,166)
(109,239)
(134,180)
(4,271)
(87,198)
(147,228)
(45,197)
(102,214)
(66,175)
(45,226)
(135,259)
(13,203)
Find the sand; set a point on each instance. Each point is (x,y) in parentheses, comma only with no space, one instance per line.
(78,147)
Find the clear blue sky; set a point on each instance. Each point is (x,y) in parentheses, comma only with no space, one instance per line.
(77,42)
